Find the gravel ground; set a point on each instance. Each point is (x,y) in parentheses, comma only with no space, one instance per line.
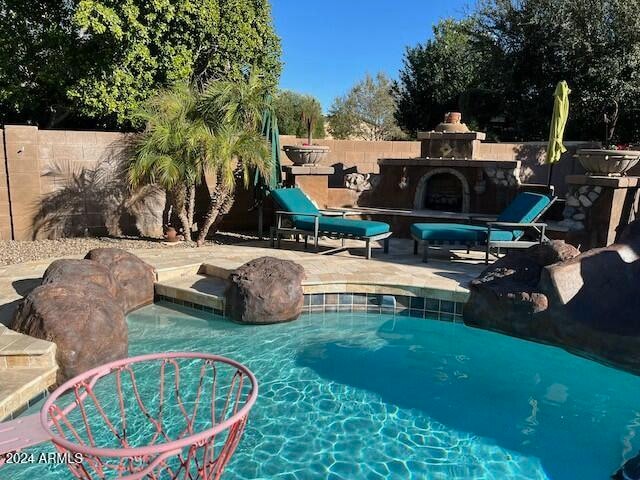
(12,252)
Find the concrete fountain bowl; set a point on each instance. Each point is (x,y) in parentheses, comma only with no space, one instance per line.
(306,154)
(607,162)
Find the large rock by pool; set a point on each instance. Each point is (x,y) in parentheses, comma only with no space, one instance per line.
(134,279)
(506,296)
(81,272)
(266,290)
(587,303)
(81,307)
(85,322)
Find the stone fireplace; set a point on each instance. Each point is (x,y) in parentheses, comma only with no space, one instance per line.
(449,176)
(443,189)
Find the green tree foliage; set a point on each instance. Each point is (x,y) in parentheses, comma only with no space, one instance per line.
(234,110)
(594,45)
(434,77)
(92,63)
(191,132)
(366,112)
(289,105)
(506,57)
(173,151)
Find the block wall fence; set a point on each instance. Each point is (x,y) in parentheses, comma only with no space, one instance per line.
(33,163)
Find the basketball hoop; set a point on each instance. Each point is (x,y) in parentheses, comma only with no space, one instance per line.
(184,420)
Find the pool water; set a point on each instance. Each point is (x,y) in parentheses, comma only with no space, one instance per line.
(364,396)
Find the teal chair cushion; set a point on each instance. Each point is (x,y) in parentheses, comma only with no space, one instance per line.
(359,228)
(453,232)
(294,200)
(525,208)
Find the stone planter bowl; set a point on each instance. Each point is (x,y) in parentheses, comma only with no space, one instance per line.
(306,154)
(607,162)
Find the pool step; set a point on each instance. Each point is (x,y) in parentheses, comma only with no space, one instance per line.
(197,290)
(27,370)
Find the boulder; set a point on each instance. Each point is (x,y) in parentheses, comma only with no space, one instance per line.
(134,278)
(630,470)
(81,272)
(265,290)
(86,324)
(586,303)
(505,297)
(594,306)
(631,235)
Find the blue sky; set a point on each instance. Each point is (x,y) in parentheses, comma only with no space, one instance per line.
(328,45)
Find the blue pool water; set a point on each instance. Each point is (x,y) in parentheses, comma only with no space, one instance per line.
(356,396)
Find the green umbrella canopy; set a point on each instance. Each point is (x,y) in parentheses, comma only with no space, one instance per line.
(271,133)
(558,121)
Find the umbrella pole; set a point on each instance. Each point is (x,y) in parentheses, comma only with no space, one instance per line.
(549,174)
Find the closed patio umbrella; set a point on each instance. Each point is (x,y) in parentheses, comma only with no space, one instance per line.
(556,148)
(262,185)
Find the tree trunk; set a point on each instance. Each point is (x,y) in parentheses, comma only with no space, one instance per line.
(220,202)
(181,204)
(192,204)
(226,208)
(186,225)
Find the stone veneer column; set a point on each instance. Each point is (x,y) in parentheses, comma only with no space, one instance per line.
(21,154)
(598,207)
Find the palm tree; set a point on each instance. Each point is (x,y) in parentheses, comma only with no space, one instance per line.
(235,110)
(190,133)
(235,153)
(172,152)
(310,115)
(235,103)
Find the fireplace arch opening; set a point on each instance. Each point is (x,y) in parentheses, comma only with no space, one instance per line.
(443,189)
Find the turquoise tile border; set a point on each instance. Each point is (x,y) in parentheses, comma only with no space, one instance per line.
(420,307)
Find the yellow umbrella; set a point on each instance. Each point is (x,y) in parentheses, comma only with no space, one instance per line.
(558,121)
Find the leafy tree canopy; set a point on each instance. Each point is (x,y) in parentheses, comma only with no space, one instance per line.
(366,112)
(594,45)
(93,63)
(505,58)
(434,76)
(289,107)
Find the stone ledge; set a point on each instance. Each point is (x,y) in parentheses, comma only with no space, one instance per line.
(433,135)
(449,162)
(20,387)
(14,343)
(603,181)
(308,170)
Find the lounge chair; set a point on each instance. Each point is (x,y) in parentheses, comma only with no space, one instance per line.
(507,232)
(307,220)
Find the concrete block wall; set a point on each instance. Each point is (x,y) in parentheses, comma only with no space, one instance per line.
(533,157)
(6,231)
(356,154)
(30,156)
(21,154)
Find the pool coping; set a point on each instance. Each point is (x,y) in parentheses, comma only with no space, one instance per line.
(328,296)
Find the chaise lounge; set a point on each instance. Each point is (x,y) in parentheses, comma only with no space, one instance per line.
(307,220)
(507,232)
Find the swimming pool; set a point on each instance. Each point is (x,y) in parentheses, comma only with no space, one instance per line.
(355,396)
